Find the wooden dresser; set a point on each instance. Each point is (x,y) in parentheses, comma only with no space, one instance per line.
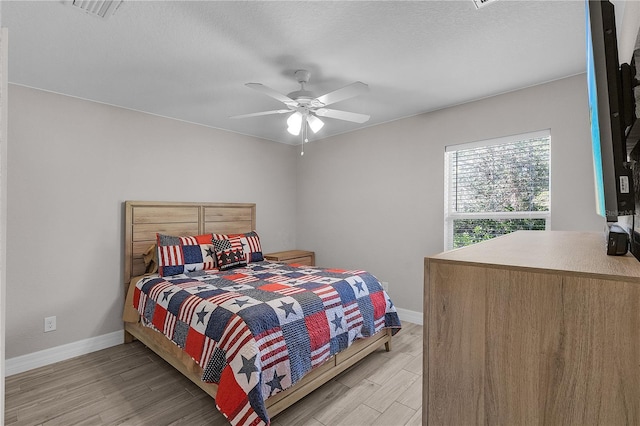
(535,327)
(301,257)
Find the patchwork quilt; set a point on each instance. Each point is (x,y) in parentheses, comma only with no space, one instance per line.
(258,329)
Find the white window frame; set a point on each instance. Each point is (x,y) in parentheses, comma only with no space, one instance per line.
(450,216)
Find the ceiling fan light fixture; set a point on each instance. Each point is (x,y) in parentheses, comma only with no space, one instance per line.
(314,123)
(306,109)
(294,132)
(295,123)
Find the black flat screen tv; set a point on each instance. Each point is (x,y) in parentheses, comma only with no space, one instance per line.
(611,115)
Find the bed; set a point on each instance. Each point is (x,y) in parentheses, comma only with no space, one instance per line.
(145,220)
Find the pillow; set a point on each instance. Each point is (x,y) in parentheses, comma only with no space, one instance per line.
(249,242)
(228,256)
(177,255)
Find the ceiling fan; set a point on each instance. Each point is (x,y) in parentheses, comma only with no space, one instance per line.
(305,108)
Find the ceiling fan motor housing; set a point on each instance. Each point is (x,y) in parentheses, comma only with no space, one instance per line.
(305,98)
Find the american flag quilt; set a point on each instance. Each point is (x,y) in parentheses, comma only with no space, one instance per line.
(259,329)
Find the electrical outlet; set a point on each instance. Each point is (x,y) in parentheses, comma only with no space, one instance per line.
(385,285)
(49,324)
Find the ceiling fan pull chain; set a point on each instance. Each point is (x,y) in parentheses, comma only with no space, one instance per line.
(306,131)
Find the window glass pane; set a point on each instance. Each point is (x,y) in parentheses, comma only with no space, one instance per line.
(469,231)
(496,186)
(509,177)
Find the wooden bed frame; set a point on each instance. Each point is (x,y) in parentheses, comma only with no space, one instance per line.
(143,219)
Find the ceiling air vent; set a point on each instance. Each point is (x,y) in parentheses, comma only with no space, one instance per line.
(481,3)
(102,8)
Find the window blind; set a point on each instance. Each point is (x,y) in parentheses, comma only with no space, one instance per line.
(497,187)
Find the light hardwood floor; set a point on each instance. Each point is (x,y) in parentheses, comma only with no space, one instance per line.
(130,385)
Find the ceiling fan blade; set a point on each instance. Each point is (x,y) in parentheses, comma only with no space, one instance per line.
(274,94)
(343,115)
(257,114)
(349,91)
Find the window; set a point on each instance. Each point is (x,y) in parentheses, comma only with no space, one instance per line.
(495,187)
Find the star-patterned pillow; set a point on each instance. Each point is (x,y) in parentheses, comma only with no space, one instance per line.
(228,256)
(249,242)
(178,255)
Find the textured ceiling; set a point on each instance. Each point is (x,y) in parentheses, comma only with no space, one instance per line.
(190,60)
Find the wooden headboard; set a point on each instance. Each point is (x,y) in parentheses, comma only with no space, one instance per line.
(143,219)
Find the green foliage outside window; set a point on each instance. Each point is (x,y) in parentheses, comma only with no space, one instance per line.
(470,231)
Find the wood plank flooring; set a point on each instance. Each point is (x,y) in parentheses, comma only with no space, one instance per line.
(130,385)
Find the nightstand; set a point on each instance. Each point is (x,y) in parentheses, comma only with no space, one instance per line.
(302,257)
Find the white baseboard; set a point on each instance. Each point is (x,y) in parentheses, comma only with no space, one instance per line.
(410,316)
(27,362)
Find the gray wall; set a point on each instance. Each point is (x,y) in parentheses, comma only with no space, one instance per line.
(373,199)
(72,163)
(370,199)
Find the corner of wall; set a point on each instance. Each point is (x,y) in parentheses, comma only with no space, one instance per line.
(3,204)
